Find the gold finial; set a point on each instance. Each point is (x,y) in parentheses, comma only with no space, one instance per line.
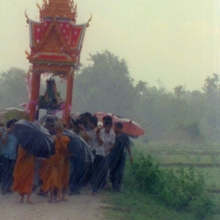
(38,6)
(71,3)
(87,25)
(44,4)
(60,8)
(27,21)
(75,9)
(27,53)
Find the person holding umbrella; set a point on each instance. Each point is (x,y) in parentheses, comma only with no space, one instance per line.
(55,176)
(2,130)
(10,144)
(118,156)
(78,167)
(24,175)
(35,142)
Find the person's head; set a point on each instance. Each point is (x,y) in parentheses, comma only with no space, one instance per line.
(50,121)
(107,125)
(107,118)
(10,124)
(93,122)
(76,125)
(49,124)
(85,117)
(59,128)
(118,126)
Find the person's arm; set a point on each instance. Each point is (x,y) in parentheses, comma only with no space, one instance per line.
(5,137)
(100,140)
(86,135)
(129,152)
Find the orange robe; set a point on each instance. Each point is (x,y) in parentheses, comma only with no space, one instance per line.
(23,173)
(53,169)
(66,172)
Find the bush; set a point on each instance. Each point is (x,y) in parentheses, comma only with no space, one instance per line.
(147,175)
(202,206)
(180,189)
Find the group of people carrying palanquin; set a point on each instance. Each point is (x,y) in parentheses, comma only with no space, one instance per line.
(64,172)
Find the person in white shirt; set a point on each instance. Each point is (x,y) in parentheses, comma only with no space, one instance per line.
(109,141)
(96,144)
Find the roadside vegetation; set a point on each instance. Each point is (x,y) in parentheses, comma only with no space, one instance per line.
(153,192)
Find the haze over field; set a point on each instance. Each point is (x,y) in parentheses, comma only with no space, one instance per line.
(173,41)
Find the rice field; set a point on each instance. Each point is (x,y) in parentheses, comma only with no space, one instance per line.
(204,158)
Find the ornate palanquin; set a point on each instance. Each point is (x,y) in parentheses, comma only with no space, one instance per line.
(55,42)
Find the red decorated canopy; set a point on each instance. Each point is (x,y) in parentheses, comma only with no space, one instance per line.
(55,42)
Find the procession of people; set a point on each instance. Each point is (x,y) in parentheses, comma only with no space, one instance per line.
(83,154)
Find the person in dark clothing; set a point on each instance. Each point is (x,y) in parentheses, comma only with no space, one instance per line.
(118,157)
(2,130)
(77,165)
(10,145)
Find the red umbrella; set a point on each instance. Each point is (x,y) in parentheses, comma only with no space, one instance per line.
(130,127)
(100,115)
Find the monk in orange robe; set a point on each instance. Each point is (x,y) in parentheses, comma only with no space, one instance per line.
(54,172)
(65,175)
(24,175)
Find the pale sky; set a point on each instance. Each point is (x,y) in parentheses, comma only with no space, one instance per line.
(175,42)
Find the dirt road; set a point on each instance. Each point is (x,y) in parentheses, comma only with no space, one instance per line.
(78,207)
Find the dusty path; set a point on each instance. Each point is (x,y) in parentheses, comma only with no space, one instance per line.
(79,207)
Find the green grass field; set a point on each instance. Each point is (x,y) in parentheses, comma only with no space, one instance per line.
(204,158)
(133,206)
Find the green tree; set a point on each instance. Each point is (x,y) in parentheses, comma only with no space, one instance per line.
(13,89)
(211,117)
(179,91)
(212,86)
(105,85)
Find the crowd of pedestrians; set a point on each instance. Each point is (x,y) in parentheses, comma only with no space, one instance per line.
(65,172)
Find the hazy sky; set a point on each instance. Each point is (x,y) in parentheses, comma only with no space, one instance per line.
(175,42)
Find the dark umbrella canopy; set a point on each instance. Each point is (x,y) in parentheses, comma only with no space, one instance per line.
(34,138)
(78,146)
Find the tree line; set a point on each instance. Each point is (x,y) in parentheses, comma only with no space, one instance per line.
(106,85)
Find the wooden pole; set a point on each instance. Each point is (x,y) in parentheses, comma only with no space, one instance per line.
(69,96)
(35,87)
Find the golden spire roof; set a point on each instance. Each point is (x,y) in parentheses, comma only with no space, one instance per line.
(59,9)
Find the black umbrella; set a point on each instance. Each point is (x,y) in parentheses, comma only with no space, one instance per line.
(34,138)
(79,147)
